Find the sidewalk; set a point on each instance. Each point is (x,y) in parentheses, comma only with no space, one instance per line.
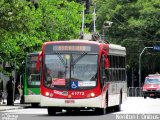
(4,107)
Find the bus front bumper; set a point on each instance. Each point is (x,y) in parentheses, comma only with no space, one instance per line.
(95,102)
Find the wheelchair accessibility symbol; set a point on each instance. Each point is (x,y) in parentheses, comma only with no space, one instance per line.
(74,84)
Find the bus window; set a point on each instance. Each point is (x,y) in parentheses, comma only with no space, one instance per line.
(102,71)
(68,68)
(32,74)
(34,79)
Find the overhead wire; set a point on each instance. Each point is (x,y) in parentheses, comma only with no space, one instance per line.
(146,39)
(140,27)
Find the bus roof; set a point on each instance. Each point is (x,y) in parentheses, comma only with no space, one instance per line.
(116,50)
(113,48)
(73,40)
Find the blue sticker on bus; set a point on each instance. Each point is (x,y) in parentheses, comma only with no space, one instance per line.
(74,84)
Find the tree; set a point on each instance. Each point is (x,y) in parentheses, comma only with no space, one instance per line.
(24,28)
(60,19)
(135,26)
(16,27)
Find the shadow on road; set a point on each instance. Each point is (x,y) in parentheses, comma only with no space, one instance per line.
(75,113)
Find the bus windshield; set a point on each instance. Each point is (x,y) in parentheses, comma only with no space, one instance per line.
(70,70)
(32,75)
(152,81)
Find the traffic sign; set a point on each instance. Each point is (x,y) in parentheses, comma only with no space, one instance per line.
(156,47)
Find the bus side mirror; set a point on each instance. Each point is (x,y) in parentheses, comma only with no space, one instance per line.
(38,63)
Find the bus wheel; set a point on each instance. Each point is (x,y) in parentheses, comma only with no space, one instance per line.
(51,111)
(35,104)
(145,97)
(77,110)
(117,108)
(69,110)
(100,111)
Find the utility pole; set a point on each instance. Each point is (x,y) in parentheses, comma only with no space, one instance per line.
(87,6)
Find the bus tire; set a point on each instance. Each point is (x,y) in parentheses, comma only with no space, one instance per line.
(69,110)
(117,108)
(100,111)
(35,104)
(51,111)
(77,110)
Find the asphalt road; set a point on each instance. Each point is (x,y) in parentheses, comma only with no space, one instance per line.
(135,108)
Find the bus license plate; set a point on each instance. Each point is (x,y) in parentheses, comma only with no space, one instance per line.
(69,101)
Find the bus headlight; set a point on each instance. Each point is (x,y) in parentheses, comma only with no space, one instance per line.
(92,94)
(47,93)
(51,95)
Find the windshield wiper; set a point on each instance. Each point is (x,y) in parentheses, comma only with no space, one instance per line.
(78,58)
(63,62)
(60,57)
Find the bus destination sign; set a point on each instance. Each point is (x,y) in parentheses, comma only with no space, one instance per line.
(71,48)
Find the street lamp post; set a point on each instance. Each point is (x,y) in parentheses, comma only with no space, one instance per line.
(14,81)
(140,64)
(106,24)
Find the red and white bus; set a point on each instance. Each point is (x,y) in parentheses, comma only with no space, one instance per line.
(81,74)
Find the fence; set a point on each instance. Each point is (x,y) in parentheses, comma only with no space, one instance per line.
(135,92)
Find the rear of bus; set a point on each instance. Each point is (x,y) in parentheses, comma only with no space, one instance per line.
(32,80)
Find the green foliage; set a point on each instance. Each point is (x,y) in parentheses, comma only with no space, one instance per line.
(60,19)
(135,26)
(17,27)
(23,28)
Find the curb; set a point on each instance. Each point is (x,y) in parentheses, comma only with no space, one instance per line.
(5,109)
